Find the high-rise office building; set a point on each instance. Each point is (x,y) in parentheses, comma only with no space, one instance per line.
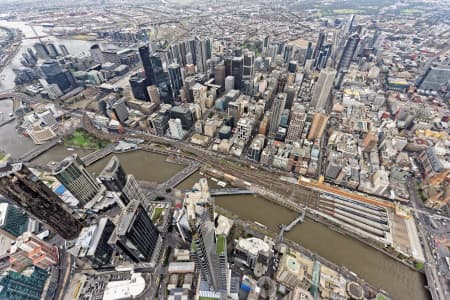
(31,250)
(23,187)
(275,114)
(346,57)
(318,126)
(113,176)
(176,80)
(348,52)
(219,75)
(322,57)
(184,114)
(176,129)
(92,244)
(72,173)
(237,71)
(52,50)
(144,54)
(249,61)
(322,89)
(132,191)
(120,110)
(297,123)
(115,179)
(154,94)
(41,51)
(97,54)
(229,83)
(138,84)
(13,220)
(161,79)
(135,234)
(210,255)
(54,74)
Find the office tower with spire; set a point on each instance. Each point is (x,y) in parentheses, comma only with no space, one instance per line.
(135,235)
(20,185)
(322,89)
(209,252)
(346,58)
(72,173)
(275,114)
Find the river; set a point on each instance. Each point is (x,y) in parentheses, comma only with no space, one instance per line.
(378,269)
(10,140)
(374,267)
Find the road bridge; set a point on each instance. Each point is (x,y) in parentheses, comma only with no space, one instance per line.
(179,177)
(91,158)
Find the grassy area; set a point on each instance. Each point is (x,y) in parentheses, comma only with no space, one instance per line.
(419,266)
(381,297)
(221,242)
(157,214)
(82,139)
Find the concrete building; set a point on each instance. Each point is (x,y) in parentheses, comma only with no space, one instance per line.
(176,129)
(322,89)
(244,130)
(275,114)
(256,147)
(20,185)
(229,83)
(135,235)
(72,173)
(297,123)
(318,126)
(31,250)
(92,244)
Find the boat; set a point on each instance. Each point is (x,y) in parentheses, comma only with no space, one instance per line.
(70,149)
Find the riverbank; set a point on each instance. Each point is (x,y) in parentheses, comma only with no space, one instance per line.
(260,230)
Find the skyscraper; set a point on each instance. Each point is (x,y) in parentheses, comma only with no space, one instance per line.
(210,255)
(113,176)
(19,184)
(275,114)
(176,80)
(219,75)
(135,235)
(138,84)
(72,173)
(161,79)
(97,54)
(237,71)
(322,57)
(322,89)
(144,54)
(346,57)
(54,74)
(12,219)
(297,123)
